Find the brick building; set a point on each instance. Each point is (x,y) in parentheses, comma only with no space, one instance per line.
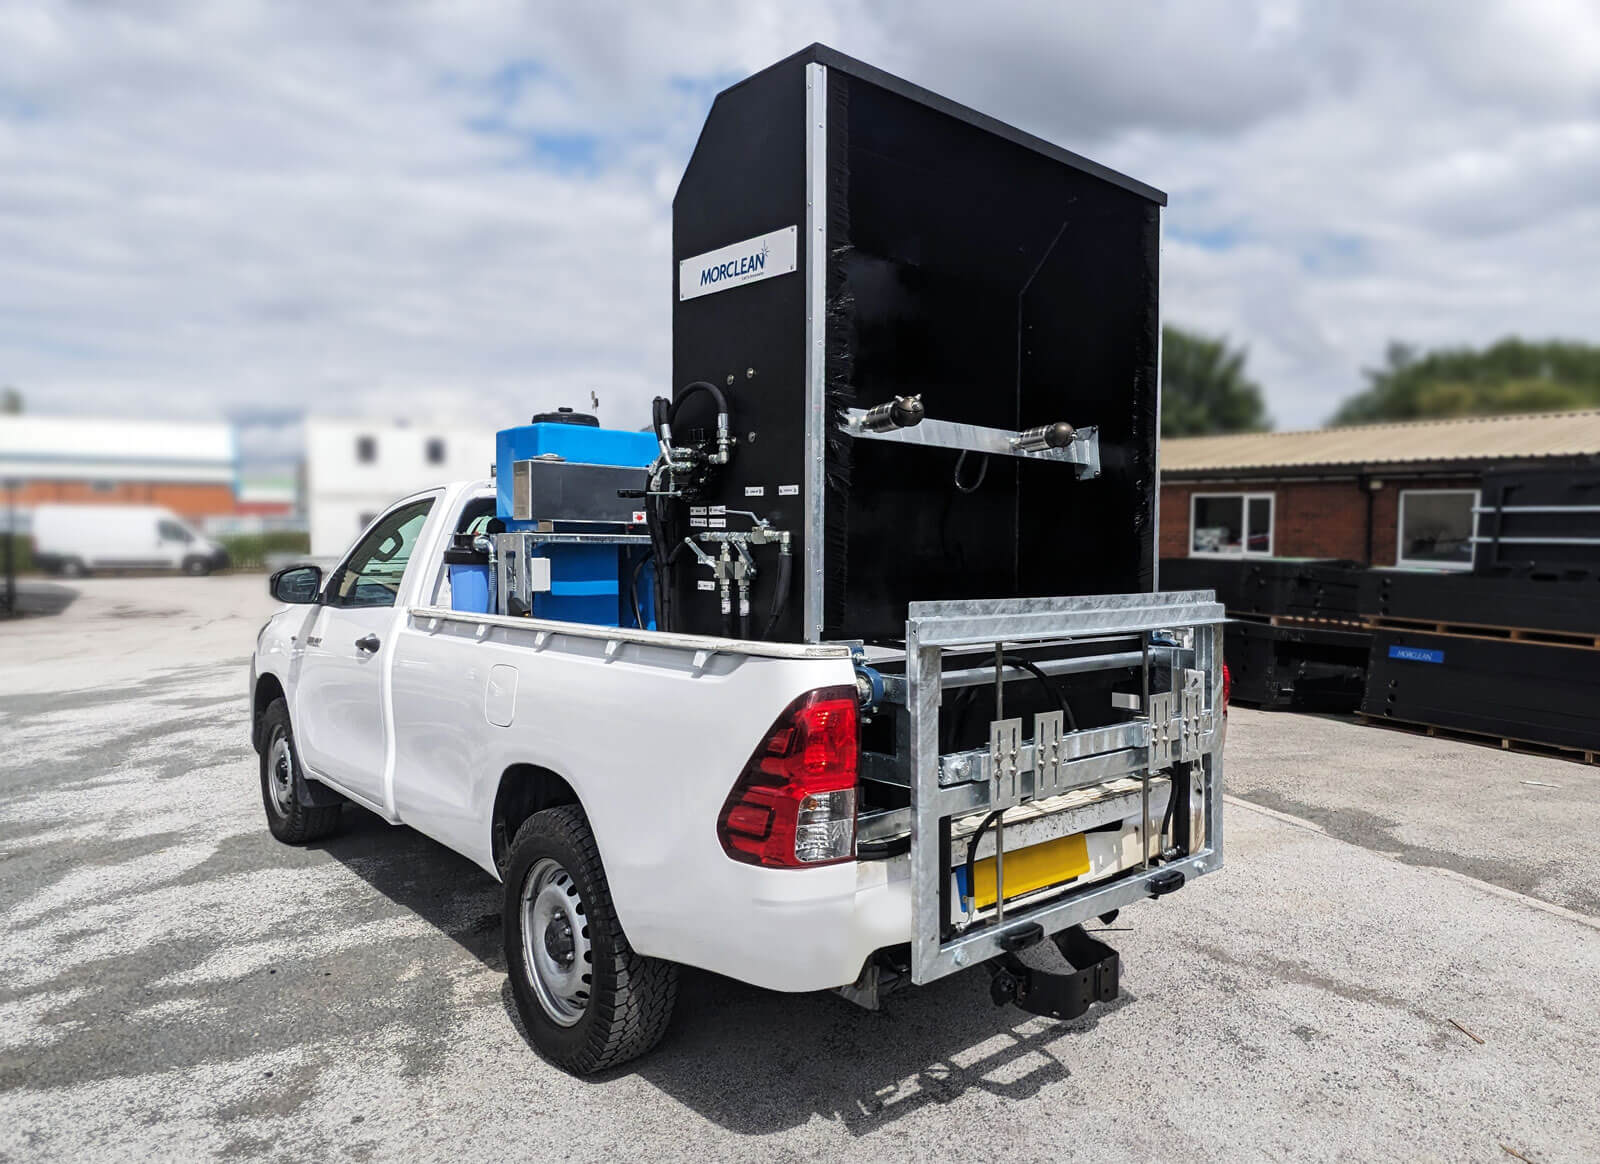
(1384,494)
(187,467)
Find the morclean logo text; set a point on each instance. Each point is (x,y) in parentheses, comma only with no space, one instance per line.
(744,262)
(748,265)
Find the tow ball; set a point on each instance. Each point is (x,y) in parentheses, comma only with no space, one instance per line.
(1094,976)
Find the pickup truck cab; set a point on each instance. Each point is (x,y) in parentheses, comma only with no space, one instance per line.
(651,799)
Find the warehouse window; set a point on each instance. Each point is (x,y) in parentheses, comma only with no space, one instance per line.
(435,450)
(366,449)
(1437,527)
(1230,524)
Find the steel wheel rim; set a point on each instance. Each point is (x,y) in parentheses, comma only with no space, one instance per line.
(280,774)
(557,956)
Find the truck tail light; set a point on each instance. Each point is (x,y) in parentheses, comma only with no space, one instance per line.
(1227,687)
(795,802)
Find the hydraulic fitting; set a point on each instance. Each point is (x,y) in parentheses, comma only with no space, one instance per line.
(897,412)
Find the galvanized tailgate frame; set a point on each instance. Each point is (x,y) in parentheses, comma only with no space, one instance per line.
(1170,729)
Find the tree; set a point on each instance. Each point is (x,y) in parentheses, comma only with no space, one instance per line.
(10,402)
(1513,375)
(1204,389)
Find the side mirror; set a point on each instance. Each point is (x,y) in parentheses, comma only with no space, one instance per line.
(298,585)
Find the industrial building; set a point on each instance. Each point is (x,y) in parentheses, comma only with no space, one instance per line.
(188,467)
(355,468)
(1401,494)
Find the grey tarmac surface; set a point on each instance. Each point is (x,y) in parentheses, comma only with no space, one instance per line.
(174,984)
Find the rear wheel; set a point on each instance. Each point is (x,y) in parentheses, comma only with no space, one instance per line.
(292,822)
(589,1002)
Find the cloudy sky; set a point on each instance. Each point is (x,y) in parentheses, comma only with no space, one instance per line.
(429,209)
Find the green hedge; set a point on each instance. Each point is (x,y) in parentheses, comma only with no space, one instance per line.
(22,547)
(249,551)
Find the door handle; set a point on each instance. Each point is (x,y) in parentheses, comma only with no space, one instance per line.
(367,643)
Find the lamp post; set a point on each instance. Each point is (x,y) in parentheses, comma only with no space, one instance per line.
(11,546)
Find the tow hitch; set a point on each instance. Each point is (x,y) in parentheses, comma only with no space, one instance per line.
(1095,966)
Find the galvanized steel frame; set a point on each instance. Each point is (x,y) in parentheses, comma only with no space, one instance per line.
(933,627)
(816,252)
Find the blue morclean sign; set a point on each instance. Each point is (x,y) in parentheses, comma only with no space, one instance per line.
(1415,654)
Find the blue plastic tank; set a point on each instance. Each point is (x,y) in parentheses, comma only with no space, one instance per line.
(471,588)
(573,442)
(588,583)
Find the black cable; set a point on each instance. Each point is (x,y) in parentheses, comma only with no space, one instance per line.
(972,856)
(1166,817)
(983,471)
(1055,692)
(958,716)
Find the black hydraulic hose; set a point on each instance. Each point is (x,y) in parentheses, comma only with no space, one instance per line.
(972,855)
(744,622)
(657,526)
(1172,801)
(690,389)
(1033,669)
(983,471)
(780,592)
(665,575)
(633,587)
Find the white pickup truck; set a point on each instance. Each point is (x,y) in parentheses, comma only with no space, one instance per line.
(653,799)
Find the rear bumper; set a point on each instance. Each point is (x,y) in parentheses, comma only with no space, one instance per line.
(813,929)
(788,929)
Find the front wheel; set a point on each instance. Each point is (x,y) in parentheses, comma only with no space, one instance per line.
(589,1002)
(291,821)
(196,567)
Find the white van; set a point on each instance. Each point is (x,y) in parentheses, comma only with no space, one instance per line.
(74,539)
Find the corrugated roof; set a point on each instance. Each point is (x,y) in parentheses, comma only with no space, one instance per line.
(1476,438)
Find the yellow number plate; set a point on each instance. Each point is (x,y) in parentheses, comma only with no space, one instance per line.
(1033,868)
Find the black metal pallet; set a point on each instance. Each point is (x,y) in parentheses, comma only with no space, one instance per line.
(1530,692)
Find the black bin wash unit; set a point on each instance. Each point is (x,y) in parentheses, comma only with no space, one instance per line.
(842,238)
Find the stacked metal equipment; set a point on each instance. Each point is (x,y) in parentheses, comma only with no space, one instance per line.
(1295,636)
(1509,653)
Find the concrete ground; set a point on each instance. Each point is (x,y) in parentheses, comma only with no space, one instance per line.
(175,984)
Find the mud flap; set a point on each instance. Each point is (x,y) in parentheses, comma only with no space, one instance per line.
(313,794)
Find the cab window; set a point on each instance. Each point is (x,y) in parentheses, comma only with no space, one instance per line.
(171,531)
(371,575)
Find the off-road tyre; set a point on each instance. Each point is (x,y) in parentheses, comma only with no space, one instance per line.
(291,822)
(631,996)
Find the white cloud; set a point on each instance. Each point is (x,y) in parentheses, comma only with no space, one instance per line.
(437,208)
